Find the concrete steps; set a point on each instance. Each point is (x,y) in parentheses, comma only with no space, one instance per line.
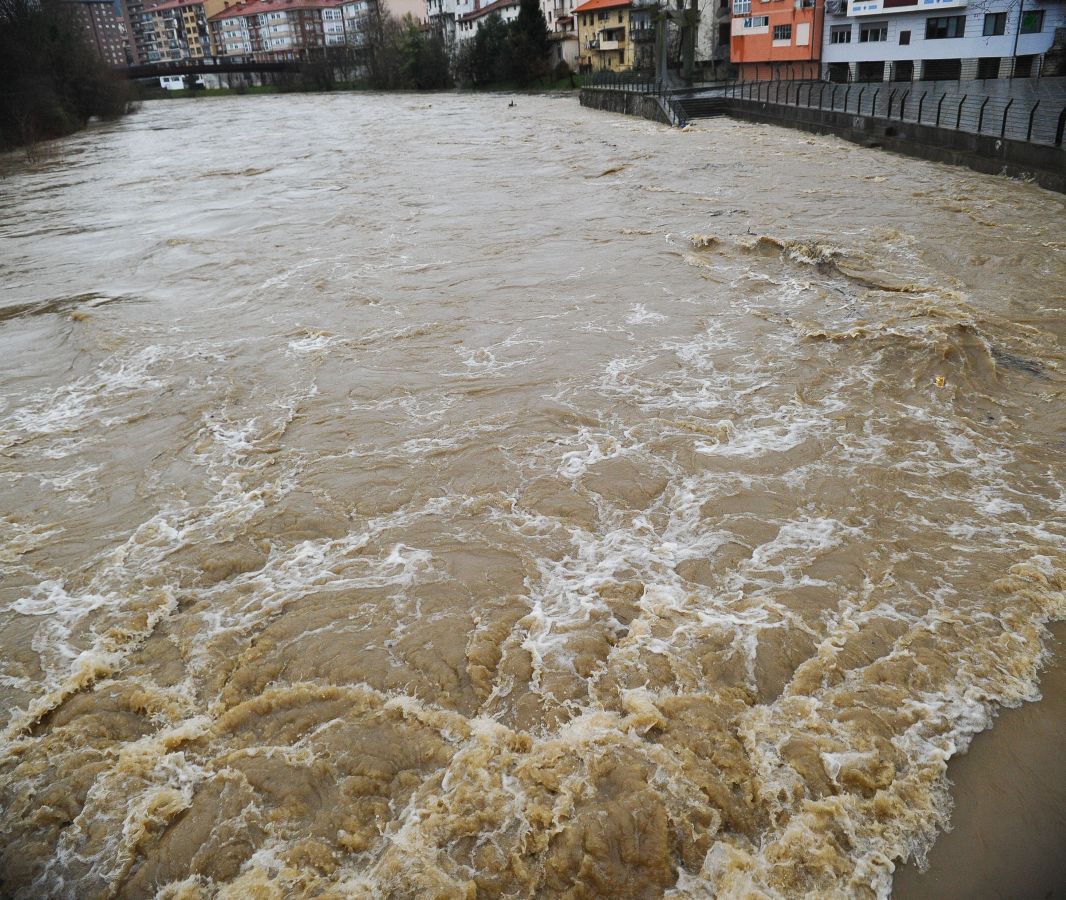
(702,107)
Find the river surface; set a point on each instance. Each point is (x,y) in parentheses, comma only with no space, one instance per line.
(420,497)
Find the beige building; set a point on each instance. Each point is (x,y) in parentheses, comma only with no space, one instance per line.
(603,35)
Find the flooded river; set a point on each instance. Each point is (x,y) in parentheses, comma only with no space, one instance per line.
(420,497)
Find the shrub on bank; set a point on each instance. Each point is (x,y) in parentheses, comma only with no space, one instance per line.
(51,81)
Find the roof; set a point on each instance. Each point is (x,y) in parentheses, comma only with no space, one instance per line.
(495,6)
(593,5)
(253,7)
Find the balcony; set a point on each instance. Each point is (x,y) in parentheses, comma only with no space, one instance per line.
(612,45)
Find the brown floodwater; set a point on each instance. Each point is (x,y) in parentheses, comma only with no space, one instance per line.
(420,497)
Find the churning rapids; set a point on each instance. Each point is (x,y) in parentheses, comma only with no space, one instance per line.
(416,497)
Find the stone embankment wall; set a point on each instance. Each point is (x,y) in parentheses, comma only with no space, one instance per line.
(981,152)
(647,106)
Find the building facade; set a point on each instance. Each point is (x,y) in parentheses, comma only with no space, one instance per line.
(562,29)
(603,36)
(777,38)
(106,27)
(934,40)
(278,29)
(712,40)
(176,30)
(468,20)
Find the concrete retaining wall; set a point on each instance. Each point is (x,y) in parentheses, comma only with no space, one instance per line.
(980,152)
(647,106)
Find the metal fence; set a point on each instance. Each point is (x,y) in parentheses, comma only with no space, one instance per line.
(1039,120)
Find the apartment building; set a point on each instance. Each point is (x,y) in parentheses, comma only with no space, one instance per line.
(603,36)
(562,30)
(175,30)
(278,29)
(907,40)
(712,39)
(105,26)
(776,38)
(469,14)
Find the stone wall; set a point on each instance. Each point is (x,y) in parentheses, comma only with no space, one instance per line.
(647,106)
(981,152)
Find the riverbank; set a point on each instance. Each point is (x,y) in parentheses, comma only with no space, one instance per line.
(1008,826)
(564,85)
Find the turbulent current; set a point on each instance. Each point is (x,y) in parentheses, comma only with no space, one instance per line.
(421,497)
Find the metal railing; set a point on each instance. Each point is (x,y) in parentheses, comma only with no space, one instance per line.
(1038,121)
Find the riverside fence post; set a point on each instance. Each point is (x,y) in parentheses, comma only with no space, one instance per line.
(1006,109)
(1029,130)
(981,115)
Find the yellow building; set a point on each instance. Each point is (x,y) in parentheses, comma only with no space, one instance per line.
(603,37)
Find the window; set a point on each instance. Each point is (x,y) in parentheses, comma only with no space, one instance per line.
(988,67)
(873,32)
(782,32)
(619,15)
(756,21)
(945,27)
(1032,21)
(741,7)
(840,34)
(904,38)
(995,23)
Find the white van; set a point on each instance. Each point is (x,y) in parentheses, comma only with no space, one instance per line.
(177,82)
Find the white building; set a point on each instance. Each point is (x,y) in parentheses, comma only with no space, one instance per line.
(356,17)
(469,14)
(559,14)
(712,39)
(442,15)
(910,40)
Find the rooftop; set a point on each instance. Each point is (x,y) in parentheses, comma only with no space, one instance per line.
(593,5)
(487,10)
(255,7)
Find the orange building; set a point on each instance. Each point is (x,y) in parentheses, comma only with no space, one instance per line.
(777,38)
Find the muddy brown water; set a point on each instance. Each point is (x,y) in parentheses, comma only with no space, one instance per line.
(415,496)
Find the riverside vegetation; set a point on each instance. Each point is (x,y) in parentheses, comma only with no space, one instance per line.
(51,81)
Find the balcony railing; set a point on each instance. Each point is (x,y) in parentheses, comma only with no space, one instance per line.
(613,45)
